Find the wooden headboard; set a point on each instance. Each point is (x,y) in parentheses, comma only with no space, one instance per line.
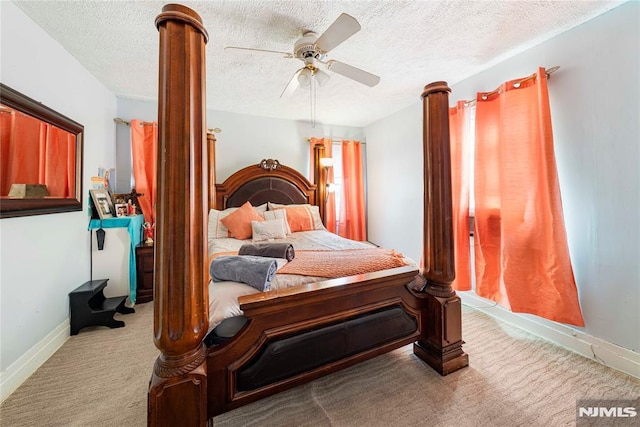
(267,181)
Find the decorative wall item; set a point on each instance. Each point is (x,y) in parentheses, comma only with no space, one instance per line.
(28,126)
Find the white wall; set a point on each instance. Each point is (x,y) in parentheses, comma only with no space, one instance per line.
(595,112)
(395,181)
(44,257)
(244,140)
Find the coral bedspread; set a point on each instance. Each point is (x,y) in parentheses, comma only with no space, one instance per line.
(342,263)
(334,257)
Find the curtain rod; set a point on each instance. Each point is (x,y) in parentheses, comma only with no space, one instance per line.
(119,121)
(128,123)
(333,140)
(515,84)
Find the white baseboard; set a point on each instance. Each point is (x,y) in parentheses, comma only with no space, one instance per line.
(28,363)
(597,349)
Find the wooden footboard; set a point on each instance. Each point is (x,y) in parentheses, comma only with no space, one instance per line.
(293,311)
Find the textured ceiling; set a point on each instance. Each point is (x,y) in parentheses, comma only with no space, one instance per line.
(407,43)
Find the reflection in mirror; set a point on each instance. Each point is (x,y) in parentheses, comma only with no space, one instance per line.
(35,152)
(40,158)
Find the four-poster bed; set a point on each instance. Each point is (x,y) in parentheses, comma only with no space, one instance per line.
(293,335)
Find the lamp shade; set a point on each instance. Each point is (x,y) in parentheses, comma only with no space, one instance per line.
(326,162)
(321,77)
(304,77)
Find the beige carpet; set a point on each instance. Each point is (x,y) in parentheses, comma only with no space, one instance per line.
(100,377)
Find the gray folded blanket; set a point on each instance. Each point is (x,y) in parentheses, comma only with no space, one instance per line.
(271,250)
(255,271)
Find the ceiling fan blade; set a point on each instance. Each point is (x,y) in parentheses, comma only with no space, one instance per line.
(341,29)
(292,85)
(284,54)
(353,73)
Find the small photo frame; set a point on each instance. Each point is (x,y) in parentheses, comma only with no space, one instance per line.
(103,204)
(119,197)
(122,209)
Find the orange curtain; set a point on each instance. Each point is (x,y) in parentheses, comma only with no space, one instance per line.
(352,221)
(521,252)
(6,125)
(34,152)
(460,154)
(330,211)
(57,158)
(144,146)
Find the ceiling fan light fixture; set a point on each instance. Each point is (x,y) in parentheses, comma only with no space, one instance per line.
(321,77)
(304,78)
(312,49)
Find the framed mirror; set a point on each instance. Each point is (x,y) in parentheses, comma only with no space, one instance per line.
(40,158)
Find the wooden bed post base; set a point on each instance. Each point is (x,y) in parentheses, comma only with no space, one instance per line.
(441,345)
(177,397)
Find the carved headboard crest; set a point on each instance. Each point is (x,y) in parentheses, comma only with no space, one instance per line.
(269,164)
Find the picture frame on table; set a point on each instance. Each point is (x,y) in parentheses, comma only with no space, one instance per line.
(122,209)
(131,199)
(103,204)
(119,198)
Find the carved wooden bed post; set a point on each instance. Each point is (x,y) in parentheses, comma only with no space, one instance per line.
(320,178)
(441,342)
(178,386)
(211,147)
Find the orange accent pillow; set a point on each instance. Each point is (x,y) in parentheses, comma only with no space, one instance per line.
(300,218)
(239,222)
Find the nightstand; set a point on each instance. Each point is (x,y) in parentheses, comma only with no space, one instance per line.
(144,269)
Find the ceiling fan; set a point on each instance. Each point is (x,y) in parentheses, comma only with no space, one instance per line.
(312,50)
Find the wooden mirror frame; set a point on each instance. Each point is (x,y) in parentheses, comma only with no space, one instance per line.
(11,207)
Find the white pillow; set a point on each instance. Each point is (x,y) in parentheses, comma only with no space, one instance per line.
(261,208)
(280,213)
(217,230)
(267,230)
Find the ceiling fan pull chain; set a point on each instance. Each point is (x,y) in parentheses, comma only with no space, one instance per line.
(313,101)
